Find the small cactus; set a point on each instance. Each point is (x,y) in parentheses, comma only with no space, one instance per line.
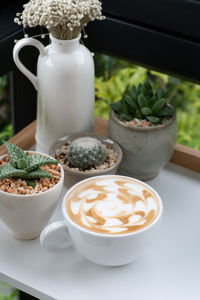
(23,166)
(143,103)
(85,153)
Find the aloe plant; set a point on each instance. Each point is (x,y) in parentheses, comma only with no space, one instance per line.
(143,103)
(23,166)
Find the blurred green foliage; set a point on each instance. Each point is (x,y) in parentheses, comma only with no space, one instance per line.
(113,76)
(5,109)
(7,293)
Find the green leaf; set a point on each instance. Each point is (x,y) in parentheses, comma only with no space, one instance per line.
(142,101)
(133,92)
(136,103)
(126,117)
(21,163)
(139,88)
(35,161)
(146,111)
(138,114)
(160,93)
(127,89)
(152,100)
(147,89)
(15,153)
(30,183)
(130,102)
(165,112)
(147,85)
(36,174)
(125,108)
(158,105)
(9,171)
(117,107)
(153,119)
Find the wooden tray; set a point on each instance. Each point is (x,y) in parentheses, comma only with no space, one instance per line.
(183,156)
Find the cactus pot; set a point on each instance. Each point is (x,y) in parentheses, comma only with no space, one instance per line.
(145,150)
(74,176)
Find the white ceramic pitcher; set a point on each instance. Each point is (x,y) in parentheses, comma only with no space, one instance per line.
(65,85)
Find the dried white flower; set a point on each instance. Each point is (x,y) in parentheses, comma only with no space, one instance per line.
(65,19)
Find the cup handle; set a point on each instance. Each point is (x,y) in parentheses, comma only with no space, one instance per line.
(55,237)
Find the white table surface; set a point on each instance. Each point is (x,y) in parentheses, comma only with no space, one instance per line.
(169,270)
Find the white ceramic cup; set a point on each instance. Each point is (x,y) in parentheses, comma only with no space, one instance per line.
(102,249)
(26,215)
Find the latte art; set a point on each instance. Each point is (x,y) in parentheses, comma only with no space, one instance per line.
(113,205)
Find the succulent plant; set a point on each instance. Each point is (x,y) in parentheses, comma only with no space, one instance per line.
(85,153)
(143,103)
(23,166)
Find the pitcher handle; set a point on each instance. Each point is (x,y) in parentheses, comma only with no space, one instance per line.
(18,46)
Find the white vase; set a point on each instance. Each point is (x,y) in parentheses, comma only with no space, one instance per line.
(65,85)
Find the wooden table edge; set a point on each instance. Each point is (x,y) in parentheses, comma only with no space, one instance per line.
(183,155)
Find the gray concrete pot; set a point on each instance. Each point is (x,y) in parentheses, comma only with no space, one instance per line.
(72,177)
(145,150)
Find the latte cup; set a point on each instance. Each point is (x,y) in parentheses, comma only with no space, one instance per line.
(113,249)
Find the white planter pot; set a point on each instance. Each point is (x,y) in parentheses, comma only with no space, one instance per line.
(65,85)
(26,215)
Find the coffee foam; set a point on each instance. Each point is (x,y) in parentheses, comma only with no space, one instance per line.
(112,205)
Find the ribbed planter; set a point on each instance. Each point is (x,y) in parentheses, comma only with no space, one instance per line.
(145,150)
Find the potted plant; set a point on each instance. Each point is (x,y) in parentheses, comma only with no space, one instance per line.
(86,155)
(65,68)
(144,125)
(30,185)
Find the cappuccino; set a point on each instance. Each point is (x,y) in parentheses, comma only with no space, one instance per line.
(112,205)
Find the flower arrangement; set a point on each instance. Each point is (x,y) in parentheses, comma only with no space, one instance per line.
(64,19)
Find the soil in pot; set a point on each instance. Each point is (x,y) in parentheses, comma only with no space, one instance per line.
(111,159)
(137,123)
